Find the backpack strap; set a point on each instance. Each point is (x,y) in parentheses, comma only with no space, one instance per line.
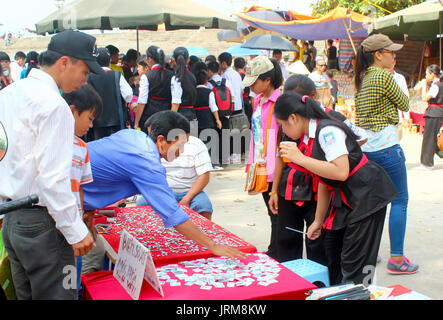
(223,82)
(213,83)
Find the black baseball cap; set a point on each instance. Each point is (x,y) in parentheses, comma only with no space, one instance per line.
(78,45)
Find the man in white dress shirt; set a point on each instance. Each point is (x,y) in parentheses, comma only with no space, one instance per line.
(43,240)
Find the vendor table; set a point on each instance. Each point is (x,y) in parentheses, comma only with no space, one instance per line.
(166,244)
(257,277)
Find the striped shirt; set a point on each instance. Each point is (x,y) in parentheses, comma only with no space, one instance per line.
(81,169)
(378,100)
(184,170)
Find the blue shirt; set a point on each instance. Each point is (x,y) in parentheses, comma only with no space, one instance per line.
(125,164)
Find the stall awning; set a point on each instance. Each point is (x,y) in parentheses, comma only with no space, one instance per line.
(340,23)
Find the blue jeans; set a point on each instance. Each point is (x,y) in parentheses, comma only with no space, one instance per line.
(200,203)
(393,160)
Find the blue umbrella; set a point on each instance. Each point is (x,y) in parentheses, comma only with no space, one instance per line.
(197,51)
(237,50)
(269,42)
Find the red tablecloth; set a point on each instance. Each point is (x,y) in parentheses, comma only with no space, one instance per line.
(289,286)
(166,244)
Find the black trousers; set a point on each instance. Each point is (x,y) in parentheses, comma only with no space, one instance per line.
(429,145)
(351,252)
(290,243)
(272,247)
(223,142)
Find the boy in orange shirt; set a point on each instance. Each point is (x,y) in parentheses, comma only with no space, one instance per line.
(86,105)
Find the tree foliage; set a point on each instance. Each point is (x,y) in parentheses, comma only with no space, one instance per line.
(322,7)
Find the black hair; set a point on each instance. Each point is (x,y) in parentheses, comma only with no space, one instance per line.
(201,77)
(198,67)
(435,69)
(181,56)
(330,41)
(239,63)
(19,55)
(193,60)
(293,103)
(277,51)
(32,59)
(4,56)
(131,55)
(213,66)
(211,58)
(156,54)
(311,42)
(142,60)
(274,74)
(225,57)
(301,84)
(49,58)
(363,62)
(113,50)
(85,98)
(163,122)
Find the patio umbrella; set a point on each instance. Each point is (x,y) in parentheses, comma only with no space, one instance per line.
(197,51)
(421,22)
(237,51)
(269,42)
(134,14)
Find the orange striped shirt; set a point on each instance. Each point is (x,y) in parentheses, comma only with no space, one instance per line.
(81,169)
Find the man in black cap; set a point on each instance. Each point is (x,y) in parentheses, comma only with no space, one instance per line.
(42,241)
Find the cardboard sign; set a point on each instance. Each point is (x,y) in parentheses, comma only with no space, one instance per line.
(134,261)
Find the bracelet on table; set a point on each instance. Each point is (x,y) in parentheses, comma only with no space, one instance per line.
(272,193)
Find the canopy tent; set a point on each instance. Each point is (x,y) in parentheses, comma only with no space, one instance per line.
(245,32)
(420,22)
(339,23)
(134,14)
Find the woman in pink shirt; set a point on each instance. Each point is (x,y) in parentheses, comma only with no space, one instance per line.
(264,77)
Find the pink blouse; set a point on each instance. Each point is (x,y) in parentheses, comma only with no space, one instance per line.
(271,153)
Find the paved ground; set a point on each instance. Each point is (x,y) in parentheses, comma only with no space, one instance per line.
(246,217)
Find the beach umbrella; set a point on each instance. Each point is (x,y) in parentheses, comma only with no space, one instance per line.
(197,51)
(269,42)
(238,51)
(134,14)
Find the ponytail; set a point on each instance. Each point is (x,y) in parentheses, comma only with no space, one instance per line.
(157,54)
(294,103)
(363,62)
(181,56)
(32,61)
(435,69)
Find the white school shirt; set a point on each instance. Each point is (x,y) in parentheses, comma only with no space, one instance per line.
(212,102)
(40,129)
(332,140)
(192,163)
(144,88)
(125,88)
(16,70)
(176,90)
(401,81)
(236,86)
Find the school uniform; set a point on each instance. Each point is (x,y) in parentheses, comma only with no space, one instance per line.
(354,222)
(155,92)
(434,120)
(296,207)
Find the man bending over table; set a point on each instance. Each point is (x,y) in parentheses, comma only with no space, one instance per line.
(129,163)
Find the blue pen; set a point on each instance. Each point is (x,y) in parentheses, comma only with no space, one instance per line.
(297,231)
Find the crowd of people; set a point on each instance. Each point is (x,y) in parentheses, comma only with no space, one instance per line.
(102,128)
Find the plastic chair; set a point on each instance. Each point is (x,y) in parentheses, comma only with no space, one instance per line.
(314,272)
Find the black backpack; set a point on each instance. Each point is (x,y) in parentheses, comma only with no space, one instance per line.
(223,98)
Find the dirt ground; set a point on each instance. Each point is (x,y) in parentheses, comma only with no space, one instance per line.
(246,216)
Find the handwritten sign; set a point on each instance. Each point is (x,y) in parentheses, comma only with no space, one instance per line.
(134,263)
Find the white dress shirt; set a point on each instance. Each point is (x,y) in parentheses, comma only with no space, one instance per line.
(236,85)
(212,102)
(176,90)
(16,70)
(40,129)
